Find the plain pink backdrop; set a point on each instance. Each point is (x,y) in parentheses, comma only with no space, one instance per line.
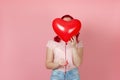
(25,28)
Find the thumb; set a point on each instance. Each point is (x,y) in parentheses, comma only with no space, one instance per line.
(66,63)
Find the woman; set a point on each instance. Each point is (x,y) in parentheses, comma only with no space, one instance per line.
(64,68)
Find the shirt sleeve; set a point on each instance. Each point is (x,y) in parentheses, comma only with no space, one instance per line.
(80,44)
(51,44)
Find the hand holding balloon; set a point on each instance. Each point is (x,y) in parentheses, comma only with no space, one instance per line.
(73,41)
(63,63)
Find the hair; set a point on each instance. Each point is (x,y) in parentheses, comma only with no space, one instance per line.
(67,16)
(57,38)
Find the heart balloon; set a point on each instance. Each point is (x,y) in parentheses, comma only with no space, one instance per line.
(66,29)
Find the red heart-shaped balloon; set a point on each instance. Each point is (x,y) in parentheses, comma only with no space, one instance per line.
(66,29)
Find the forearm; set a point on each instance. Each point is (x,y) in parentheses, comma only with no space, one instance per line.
(51,65)
(77,59)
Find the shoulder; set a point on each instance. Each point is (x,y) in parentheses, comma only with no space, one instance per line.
(51,44)
(50,41)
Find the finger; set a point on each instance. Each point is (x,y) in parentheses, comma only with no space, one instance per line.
(66,63)
(74,37)
(71,39)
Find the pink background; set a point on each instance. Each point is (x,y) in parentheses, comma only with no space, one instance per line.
(25,28)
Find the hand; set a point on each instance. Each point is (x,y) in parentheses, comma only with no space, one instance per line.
(73,41)
(63,62)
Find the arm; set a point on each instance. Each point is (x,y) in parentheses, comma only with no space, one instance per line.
(77,52)
(49,59)
(77,56)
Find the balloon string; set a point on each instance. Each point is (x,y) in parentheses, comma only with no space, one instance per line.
(65,60)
